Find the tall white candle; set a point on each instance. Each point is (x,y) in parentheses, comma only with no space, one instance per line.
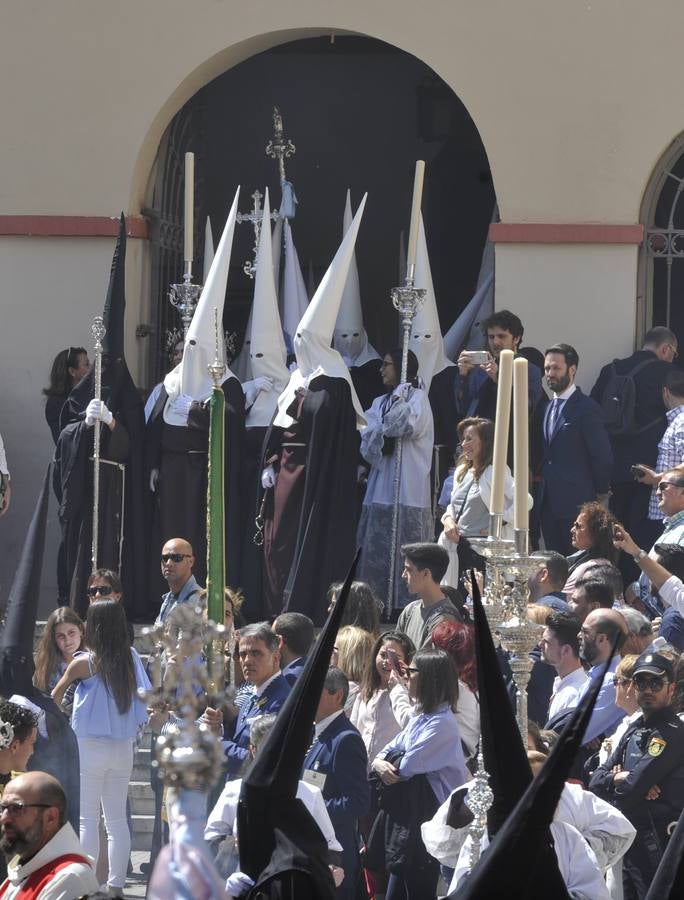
(415,215)
(521,465)
(501,426)
(189,211)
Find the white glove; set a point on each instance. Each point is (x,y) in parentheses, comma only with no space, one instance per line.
(293,366)
(401,390)
(154,478)
(95,410)
(268,477)
(253,388)
(181,405)
(238,884)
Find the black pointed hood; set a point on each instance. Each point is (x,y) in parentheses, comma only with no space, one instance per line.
(668,881)
(520,863)
(16,640)
(277,833)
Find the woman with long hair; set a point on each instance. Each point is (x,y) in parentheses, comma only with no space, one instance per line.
(362,609)
(467,514)
(68,368)
(402,413)
(352,654)
(458,640)
(106,717)
(428,748)
(105,584)
(592,535)
(62,637)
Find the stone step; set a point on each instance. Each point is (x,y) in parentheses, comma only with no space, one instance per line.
(141,836)
(141,797)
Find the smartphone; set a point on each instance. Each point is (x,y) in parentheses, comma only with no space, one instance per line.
(637,472)
(478,357)
(394,660)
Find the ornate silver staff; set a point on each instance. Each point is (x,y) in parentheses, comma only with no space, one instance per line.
(279,147)
(98,330)
(254,218)
(478,800)
(405,299)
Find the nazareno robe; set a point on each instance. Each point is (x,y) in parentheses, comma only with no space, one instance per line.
(252,494)
(180,455)
(310,515)
(367,381)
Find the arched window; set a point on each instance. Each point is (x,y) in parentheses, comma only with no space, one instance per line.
(661,266)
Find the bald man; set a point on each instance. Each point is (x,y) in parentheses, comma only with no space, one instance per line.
(177,561)
(603,633)
(44,856)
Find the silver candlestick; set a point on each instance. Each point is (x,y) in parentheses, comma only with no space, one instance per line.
(478,800)
(184,297)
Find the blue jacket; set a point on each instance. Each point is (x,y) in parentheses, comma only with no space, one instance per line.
(576,463)
(472,388)
(292,671)
(272,699)
(340,755)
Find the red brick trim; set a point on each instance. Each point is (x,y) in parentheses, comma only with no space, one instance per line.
(549,233)
(72,226)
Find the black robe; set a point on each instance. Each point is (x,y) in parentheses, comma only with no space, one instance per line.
(367,381)
(311,514)
(252,554)
(180,455)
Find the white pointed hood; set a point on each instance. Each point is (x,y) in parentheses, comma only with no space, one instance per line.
(208,249)
(242,364)
(276,251)
(426,333)
(295,298)
(314,333)
(191,375)
(350,338)
(267,347)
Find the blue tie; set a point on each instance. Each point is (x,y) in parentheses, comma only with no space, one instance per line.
(554,412)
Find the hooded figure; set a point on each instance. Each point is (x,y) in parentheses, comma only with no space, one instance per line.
(178,429)
(350,338)
(309,459)
(295,299)
(281,847)
(120,417)
(436,370)
(56,748)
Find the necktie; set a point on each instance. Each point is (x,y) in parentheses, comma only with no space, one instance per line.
(554,412)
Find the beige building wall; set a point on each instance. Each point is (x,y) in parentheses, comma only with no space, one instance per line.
(575,103)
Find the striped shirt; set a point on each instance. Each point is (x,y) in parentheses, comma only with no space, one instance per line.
(670,453)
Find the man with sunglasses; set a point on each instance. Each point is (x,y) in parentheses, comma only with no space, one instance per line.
(177,560)
(44,857)
(644,776)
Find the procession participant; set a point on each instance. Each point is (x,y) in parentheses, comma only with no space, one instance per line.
(178,430)
(68,368)
(121,519)
(309,459)
(350,338)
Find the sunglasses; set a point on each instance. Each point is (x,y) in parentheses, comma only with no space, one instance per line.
(104,590)
(14,809)
(174,557)
(654,683)
(662,485)
(617,680)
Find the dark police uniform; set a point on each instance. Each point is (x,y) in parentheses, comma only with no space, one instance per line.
(653,754)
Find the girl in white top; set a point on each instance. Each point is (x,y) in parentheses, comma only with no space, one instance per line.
(383,707)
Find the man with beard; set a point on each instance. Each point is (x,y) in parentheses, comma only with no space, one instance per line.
(44,857)
(574,458)
(601,635)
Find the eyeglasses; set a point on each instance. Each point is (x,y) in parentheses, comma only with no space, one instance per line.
(653,683)
(617,680)
(14,809)
(174,557)
(104,590)
(665,484)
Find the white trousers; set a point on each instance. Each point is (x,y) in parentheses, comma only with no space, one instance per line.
(106,768)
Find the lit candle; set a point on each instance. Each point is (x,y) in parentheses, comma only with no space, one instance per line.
(189,204)
(415,216)
(501,425)
(521,466)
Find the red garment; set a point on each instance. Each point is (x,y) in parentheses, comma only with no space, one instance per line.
(39,879)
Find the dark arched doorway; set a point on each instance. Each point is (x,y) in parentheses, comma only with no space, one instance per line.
(359,112)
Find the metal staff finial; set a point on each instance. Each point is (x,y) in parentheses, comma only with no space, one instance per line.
(478,800)
(279,147)
(216,368)
(98,331)
(255,218)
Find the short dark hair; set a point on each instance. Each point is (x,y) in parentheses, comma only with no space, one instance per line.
(52,793)
(597,592)
(296,630)
(566,351)
(412,363)
(427,556)
(336,680)
(506,320)
(566,628)
(110,577)
(607,573)
(437,680)
(671,557)
(674,382)
(260,631)
(22,720)
(656,337)
(363,608)
(556,565)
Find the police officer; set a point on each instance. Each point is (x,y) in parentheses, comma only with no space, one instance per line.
(644,776)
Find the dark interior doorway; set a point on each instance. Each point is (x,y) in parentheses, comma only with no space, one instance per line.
(360,112)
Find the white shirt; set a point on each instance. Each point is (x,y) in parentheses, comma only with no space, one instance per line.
(381,718)
(74,880)
(222,821)
(323,724)
(262,687)
(566,691)
(672,593)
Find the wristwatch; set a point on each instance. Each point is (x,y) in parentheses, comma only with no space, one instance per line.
(640,555)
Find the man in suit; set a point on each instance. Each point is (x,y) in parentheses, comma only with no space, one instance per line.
(259,653)
(337,763)
(576,459)
(650,366)
(296,634)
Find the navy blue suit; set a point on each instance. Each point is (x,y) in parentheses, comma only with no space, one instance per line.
(340,755)
(574,467)
(292,671)
(237,748)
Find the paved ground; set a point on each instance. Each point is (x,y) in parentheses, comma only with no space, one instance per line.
(136,883)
